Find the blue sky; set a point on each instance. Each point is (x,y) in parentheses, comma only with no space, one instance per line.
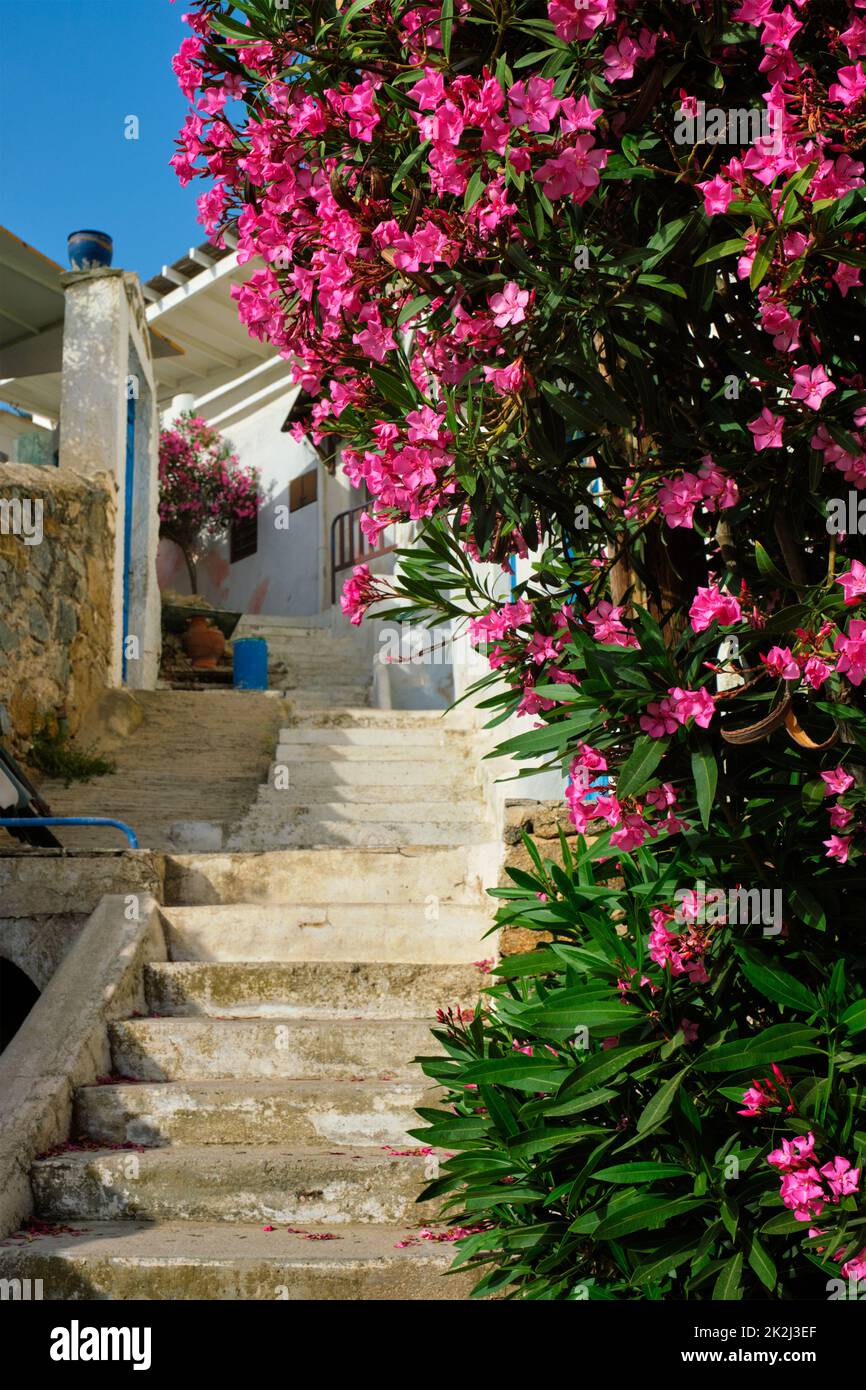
(71,71)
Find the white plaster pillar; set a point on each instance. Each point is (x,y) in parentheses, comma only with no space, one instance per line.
(106,353)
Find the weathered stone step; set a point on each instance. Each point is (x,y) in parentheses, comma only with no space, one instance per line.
(131,1260)
(324,989)
(416,933)
(253,1112)
(442,751)
(285,831)
(390,736)
(228,1183)
(311,792)
(370,718)
(182,1049)
(414,875)
(309,696)
(302,805)
(395,773)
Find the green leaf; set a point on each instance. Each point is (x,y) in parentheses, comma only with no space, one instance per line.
(762,1264)
(668,1257)
(474,189)
(721,248)
(656,1109)
(639,1172)
(638,769)
(411,159)
(644,1214)
(446,25)
(727,1286)
(775,1044)
(854,1018)
(705,771)
(412,308)
(776,984)
(606,1065)
(767,568)
(353,9)
(763,259)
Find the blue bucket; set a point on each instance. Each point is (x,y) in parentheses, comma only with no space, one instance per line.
(250,663)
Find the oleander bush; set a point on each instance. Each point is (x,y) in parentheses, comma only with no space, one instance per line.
(581,282)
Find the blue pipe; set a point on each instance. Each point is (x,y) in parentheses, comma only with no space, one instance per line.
(25,821)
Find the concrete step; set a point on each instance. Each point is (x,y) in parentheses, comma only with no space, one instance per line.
(435,932)
(278,829)
(184,1049)
(373,744)
(253,1112)
(133,1260)
(229,1183)
(414,875)
(396,773)
(301,806)
(326,698)
(310,989)
(454,721)
(310,791)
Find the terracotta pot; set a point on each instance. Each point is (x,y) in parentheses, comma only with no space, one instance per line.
(203,644)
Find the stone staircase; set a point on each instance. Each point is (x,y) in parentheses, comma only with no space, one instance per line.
(369,778)
(316,668)
(252,1141)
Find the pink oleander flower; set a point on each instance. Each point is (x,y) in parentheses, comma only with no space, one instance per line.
(850,86)
(842,1179)
(852,645)
(780,662)
(509,305)
(838,847)
(718,193)
(855,1268)
(803,1193)
(710,605)
(837,781)
(847,277)
(794,1153)
(854,582)
(766,429)
(575,172)
(533,104)
(608,627)
(359,592)
(816,671)
(693,704)
(811,386)
(506,380)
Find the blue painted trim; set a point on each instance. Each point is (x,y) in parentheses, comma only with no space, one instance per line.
(25,821)
(128,494)
(512,567)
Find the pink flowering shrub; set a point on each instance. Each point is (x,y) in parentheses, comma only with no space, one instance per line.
(515,256)
(202,488)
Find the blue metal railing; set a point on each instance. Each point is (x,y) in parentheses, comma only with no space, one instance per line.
(25,822)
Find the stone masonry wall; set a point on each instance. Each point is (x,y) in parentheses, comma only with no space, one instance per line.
(55,597)
(541,820)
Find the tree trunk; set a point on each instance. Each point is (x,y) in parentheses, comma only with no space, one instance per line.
(190,565)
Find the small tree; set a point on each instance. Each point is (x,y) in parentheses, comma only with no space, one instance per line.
(202,488)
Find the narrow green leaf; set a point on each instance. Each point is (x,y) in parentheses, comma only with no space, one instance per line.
(727,1286)
(640,765)
(705,771)
(656,1110)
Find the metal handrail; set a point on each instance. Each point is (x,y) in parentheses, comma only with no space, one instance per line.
(27,822)
(353,544)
